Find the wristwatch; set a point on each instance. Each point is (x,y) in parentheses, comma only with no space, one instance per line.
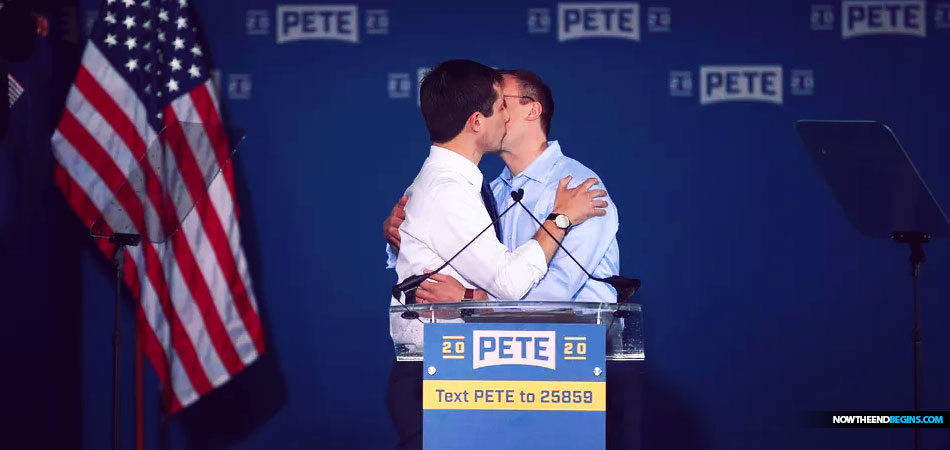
(560,220)
(469,295)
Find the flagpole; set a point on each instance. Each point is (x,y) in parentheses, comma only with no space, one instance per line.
(121,241)
(117,259)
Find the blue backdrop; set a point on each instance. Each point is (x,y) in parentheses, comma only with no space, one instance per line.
(760,301)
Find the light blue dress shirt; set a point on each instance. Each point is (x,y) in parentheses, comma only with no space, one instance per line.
(593,243)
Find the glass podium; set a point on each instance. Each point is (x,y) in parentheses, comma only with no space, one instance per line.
(623,322)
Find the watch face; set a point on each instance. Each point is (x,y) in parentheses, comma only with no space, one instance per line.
(562,221)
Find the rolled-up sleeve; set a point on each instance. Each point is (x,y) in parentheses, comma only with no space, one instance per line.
(486,262)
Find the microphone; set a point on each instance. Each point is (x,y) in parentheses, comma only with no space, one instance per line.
(624,286)
(517,195)
(411,283)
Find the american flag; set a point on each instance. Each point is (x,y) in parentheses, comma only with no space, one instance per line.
(14,91)
(144,71)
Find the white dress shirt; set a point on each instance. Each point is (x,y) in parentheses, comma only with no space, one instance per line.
(445,211)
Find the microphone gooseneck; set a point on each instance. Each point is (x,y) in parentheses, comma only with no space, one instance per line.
(411,283)
(624,286)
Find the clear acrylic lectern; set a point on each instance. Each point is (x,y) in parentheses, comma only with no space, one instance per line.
(623,322)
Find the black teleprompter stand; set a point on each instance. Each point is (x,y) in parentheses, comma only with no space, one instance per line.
(121,241)
(882,194)
(915,240)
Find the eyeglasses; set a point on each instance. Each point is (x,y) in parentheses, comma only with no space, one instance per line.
(520,97)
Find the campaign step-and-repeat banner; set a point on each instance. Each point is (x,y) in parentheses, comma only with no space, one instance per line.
(760,301)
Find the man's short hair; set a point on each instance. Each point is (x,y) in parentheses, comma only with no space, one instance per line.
(452,91)
(532,86)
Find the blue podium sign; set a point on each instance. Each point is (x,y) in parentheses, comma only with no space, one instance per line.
(513,386)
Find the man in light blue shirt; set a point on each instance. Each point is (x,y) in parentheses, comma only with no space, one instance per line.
(593,243)
(535,165)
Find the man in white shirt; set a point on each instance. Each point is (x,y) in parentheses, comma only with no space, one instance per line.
(465,113)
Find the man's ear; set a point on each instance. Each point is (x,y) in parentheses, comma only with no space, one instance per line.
(474,122)
(535,112)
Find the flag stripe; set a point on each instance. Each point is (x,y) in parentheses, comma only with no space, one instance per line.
(86,106)
(189,297)
(148,297)
(120,91)
(14,91)
(154,309)
(153,350)
(207,111)
(193,280)
(89,149)
(80,169)
(147,331)
(146,294)
(80,202)
(88,212)
(210,115)
(239,325)
(181,299)
(205,105)
(107,138)
(188,167)
(202,247)
(126,131)
(227,250)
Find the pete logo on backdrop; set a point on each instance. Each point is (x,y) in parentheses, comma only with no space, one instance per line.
(589,20)
(503,347)
(329,22)
(398,86)
(861,18)
(681,83)
(239,86)
(942,15)
(539,20)
(740,83)
(257,23)
(822,17)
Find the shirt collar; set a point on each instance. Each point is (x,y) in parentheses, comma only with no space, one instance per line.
(456,162)
(540,169)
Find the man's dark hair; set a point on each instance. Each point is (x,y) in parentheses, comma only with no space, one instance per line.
(452,91)
(532,86)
